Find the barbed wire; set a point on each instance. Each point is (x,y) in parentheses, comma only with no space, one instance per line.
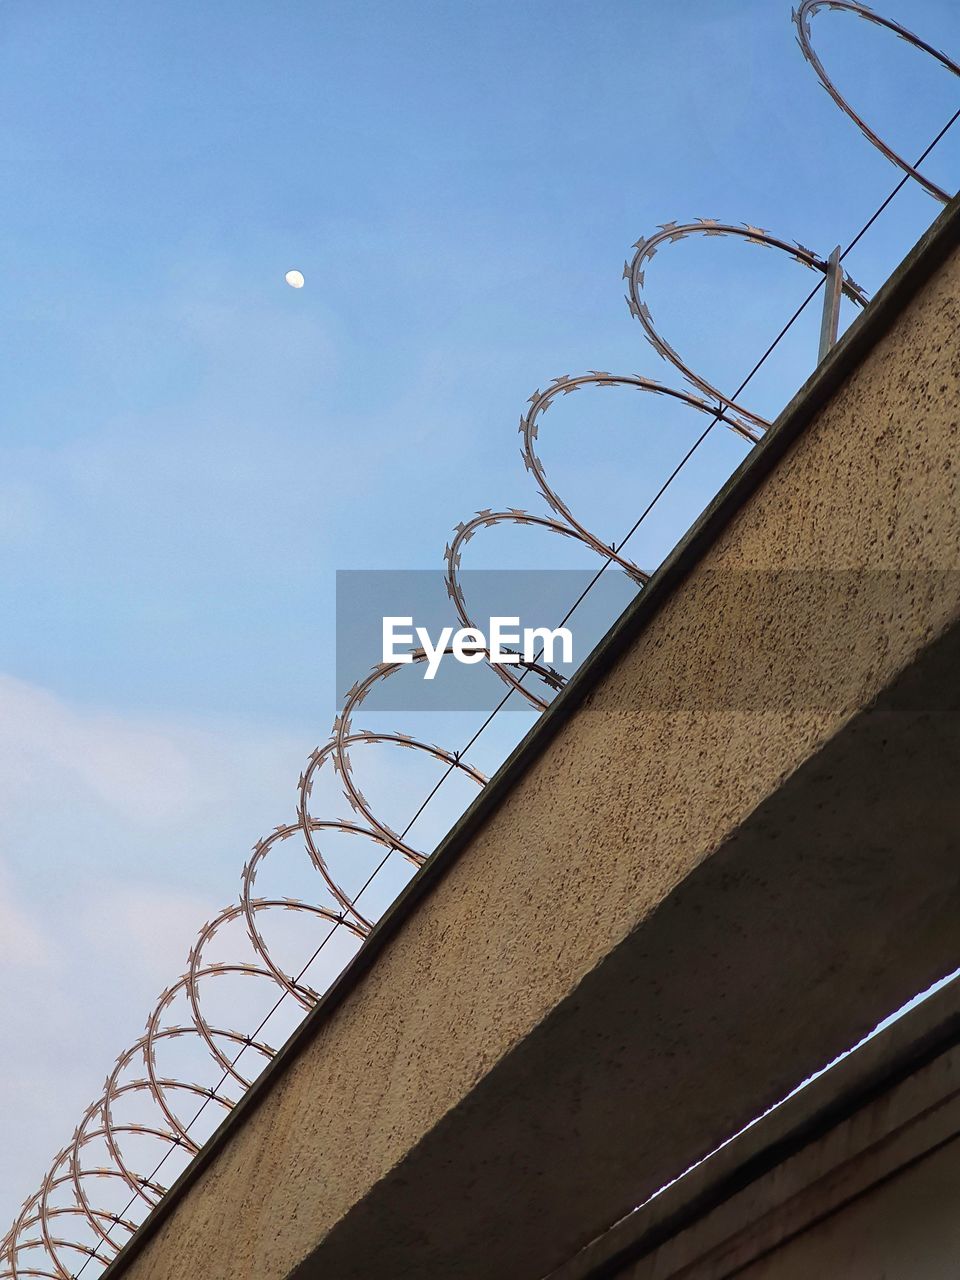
(69,1224)
(802,19)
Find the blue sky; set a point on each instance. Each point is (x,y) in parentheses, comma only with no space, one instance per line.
(190,449)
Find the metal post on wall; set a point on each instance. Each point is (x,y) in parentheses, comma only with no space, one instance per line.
(833,292)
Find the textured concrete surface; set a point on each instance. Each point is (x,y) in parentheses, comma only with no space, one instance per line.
(731,861)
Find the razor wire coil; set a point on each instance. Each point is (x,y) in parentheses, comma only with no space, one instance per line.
(67,1224)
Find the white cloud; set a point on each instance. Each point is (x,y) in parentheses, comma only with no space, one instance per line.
(23,944)
(137,770)
(120,836)
(148,928)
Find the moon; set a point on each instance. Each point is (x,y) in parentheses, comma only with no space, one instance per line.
(294,279)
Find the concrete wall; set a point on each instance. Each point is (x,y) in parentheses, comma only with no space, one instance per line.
(904,1229)
(687,844)
(856,1176)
